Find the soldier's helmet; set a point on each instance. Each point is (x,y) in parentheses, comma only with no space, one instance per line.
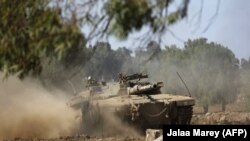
(89,78)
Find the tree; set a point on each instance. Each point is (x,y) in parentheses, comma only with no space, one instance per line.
(217,69)
(210,70)
(120,18)
(103,63)
(125,60)
(30,31)
(245,81)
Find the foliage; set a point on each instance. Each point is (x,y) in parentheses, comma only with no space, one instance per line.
(217,70)
(129,15)
(106,63)
(245,81)
(210,70)
(122,17)
(34,31)
(30,31)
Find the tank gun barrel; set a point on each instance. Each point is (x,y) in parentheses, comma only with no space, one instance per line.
(139,88)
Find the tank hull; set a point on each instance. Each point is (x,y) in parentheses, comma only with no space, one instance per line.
(144,111)
(133,102)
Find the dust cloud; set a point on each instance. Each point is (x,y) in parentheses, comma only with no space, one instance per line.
(27,110)
(106,123)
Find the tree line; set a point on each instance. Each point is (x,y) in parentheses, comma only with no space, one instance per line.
(212,72)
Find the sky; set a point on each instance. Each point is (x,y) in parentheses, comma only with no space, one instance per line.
(231,26)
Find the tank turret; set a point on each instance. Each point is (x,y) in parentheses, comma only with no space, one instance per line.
(134,85)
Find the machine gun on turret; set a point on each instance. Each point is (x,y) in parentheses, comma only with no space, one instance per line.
(127,78)
(136,76)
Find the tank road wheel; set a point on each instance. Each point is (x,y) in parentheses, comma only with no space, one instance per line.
(184,115)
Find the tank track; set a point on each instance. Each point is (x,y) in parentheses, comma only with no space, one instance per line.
(184,114)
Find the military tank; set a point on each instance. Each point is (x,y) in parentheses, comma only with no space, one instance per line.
(138,103)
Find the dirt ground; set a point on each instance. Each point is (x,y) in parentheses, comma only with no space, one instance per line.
(232,115)
(81,138)
(198,118)
(236,113)
(222,118)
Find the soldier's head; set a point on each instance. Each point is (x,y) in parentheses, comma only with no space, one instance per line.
(89,78)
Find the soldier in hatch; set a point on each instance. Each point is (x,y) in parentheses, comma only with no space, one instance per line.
(91,82)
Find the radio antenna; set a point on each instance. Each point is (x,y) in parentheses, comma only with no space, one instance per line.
(184,84)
